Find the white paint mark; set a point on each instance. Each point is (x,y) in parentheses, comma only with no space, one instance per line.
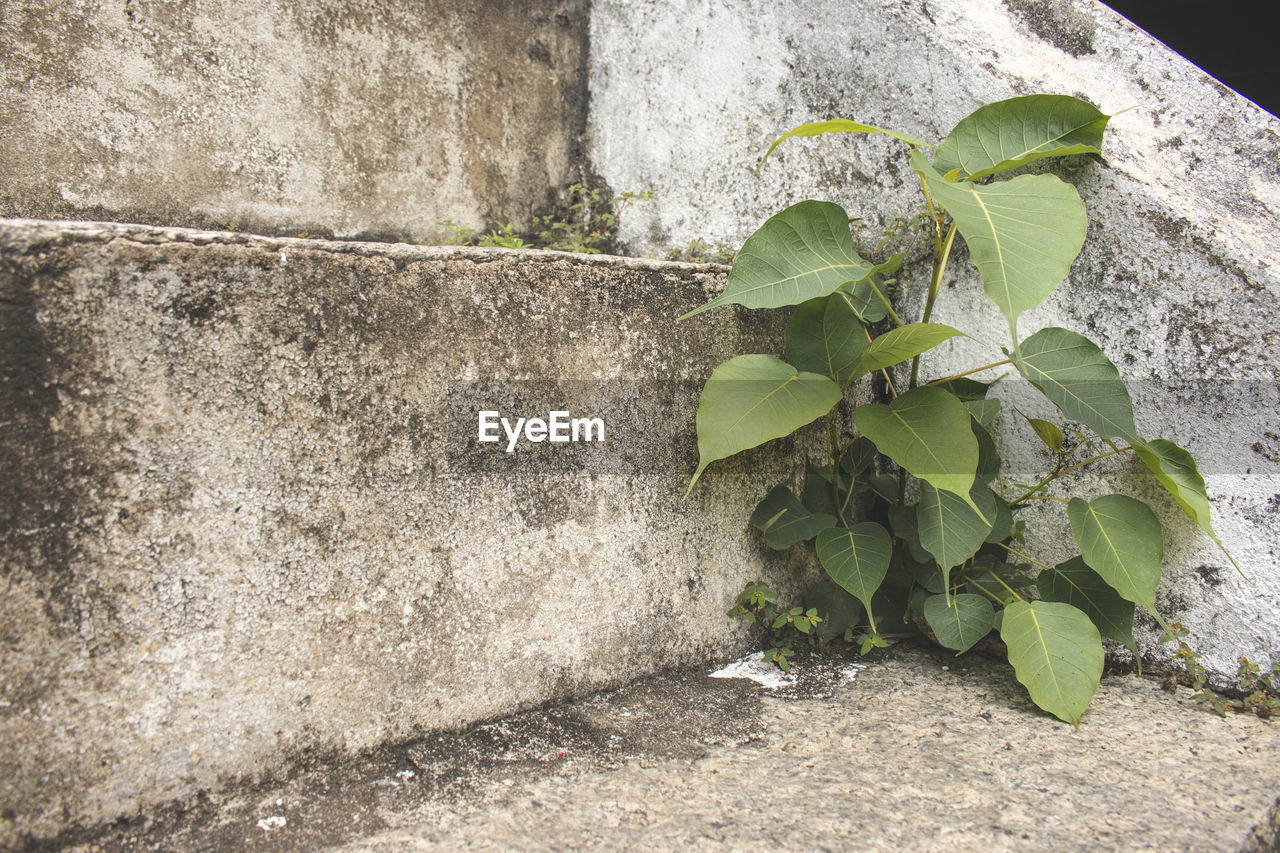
(269,823)
(756,668)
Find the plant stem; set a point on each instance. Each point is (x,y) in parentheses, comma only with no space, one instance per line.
(1012,591)
(946,379)
(941,253)
(1030,560)
(894,314)
(1062,472)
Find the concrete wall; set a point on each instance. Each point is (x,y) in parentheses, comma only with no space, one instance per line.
(247,519)
(331,117)
(1178,280)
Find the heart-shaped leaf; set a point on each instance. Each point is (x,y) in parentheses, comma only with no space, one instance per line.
(804,252)
(857,558)
(960,621)
(1011,133)
(926,431)
(951,529)
(1022,233)
(1074,583)
(825,336)
(1079,379)
(1056,653)
(752,399)
(785,521)
(1121,539)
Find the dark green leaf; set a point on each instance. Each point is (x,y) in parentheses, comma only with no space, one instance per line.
(984,411)
(1120,538)
(1056,653)
(965,388)
(926,431)
(857,558)
(1079,379)
(1003,525)
(1074,583)
(1011,133)
(824,336)
(785,521)
(804,252)
(838,609)
(988,455)
(859,456)
(752,399)
(905,526)
(960,621)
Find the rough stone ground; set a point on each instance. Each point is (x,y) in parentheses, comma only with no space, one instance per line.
(919,751)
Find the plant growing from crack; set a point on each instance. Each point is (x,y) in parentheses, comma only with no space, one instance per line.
(947,548)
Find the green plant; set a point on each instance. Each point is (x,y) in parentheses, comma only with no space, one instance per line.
(944,543)
(590,222)
(1260,692)
(587,228)
(504,236)
(782,627)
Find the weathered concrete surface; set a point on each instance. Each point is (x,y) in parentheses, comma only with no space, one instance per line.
(919,751)
(1178,281)
(246,517)
(333,117)
(916,756)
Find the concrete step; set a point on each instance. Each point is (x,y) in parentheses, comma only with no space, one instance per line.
(909,749)
(247,518)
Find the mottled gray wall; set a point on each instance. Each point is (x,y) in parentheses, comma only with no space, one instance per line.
(1178,279)
(246,516)
(331,117)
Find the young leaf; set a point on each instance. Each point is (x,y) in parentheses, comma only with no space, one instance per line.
(840,125)
(1120,538)
(1074,583)
(1056,653)
(961,621)
(1048,433)
(754,398)
(904,342)
(804,252)
(824,336)
(1079,379)
(926,431)
(950,529)
(1011,133)
(785,521)
(857,558)
(1022,233)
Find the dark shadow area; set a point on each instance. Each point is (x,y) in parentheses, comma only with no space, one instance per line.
(1229,40)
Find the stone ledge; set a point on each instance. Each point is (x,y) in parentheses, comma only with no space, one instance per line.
(249,520)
